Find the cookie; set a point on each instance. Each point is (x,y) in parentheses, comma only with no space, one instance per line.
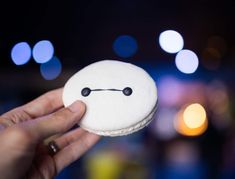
(120,98)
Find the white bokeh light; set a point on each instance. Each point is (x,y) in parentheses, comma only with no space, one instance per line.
(186,61)
(171,41)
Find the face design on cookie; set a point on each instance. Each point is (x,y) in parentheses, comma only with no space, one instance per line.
(117,95)
(87,91)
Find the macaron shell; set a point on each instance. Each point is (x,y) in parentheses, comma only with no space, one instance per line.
(121,132)
(112,110)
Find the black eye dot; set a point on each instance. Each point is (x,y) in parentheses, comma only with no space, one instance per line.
(86,91)
(127,91)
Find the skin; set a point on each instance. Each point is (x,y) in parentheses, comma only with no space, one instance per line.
(24,130)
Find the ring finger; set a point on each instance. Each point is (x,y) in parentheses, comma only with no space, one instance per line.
(68,138)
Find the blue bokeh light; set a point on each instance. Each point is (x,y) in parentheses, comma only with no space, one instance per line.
(186,61)
(125,46)
(43,51)
(171,41)
(51,69)
(21,53)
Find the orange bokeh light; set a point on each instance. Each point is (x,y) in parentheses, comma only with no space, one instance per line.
(191,120)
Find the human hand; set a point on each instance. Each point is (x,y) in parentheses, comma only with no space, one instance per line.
(23,154)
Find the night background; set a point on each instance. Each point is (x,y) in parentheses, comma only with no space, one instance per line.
(77,33)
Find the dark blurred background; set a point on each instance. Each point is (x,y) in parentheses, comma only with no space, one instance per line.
(43,43)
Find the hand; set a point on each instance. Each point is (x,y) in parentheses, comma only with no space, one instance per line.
(23,153)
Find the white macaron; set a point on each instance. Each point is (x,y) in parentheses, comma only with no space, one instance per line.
(120,97)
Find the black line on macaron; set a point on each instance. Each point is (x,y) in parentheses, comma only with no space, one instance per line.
(106,90)
(86,91)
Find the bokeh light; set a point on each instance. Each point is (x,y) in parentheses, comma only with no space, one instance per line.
(103,165)
(218,43)
(186,61)
(43,51)
(186,124)
(171,41)
(211,58)
(51,69)
(163,126)
(125,46)
(219,104)
(194,115)
(214,52)
(182,153)
(21,53)
(183,161)
(170,97)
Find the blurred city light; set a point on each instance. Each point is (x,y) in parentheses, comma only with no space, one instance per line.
(219,104)
(194,115)
(163,126)
(51,69)
(186,122)
(125,46)
(171,41)
(21,53)
(186,61)
(170,90)
(211,58)
(213,53)
(183,161)
(104,165)
(218,43)
(182,153)
(43,51)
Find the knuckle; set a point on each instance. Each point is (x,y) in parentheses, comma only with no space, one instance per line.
(19,134)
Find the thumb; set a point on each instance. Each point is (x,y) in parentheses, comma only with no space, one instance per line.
(58,122)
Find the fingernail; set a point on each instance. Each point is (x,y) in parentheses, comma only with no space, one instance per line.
(75,107)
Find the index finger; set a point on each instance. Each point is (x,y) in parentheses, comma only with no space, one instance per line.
(45,104)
